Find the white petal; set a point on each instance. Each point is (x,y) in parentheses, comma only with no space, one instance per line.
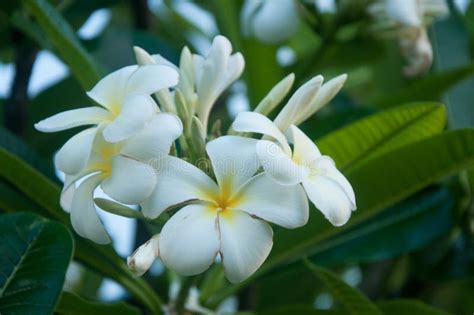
(276,21)
(327,167)
(330,192)
(189,241)
(305,151)
(130,181)
(234,160)
(257,123)
(155,139)
(84,217)
(278,165)
(149,79)
(110,90)
(74,154)
(144,256)
(299,102)
(245,244)
(283,205)
(135,112)
(160,60)
(325,94)
(67,194)
(235,67)
(73,118)
(177,181)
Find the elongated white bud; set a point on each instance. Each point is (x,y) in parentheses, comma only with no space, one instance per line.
(325,94)
(163,96)
(299,102)
(144,256)
(142,57)
(276,95)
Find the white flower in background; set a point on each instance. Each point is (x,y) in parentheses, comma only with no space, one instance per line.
(202,79)
(325,186)
(407,20)
(126,105)
(124,170)
(227,218)
(270,21)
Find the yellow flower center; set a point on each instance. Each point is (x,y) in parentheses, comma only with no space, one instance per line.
(224,200)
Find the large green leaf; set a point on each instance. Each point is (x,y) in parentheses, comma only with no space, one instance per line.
(71,304)
(103,259)
(379,133)
(35,256)
(408,307)
(430,88)
(64,41)
(393,232)
(353,301)
(378,183)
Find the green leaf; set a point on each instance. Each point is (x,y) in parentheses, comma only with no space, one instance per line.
(408,307)
(382,132)
(12,143)
(430,88)
(71,304)
(65,41)
(103,259)
(353,301)
(35,256)
(393,232)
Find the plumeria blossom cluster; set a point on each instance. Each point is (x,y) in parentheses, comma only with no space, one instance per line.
(407,21)
(148,144)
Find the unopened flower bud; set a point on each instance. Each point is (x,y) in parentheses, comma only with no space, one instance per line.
(276,95)
(144,256)
(325,94)
(142,57)
(299,102)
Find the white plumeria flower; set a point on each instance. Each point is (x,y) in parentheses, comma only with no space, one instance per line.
(214,73)
(270,21)
(126,105)
(229,217)
(124,170)
(325,186)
